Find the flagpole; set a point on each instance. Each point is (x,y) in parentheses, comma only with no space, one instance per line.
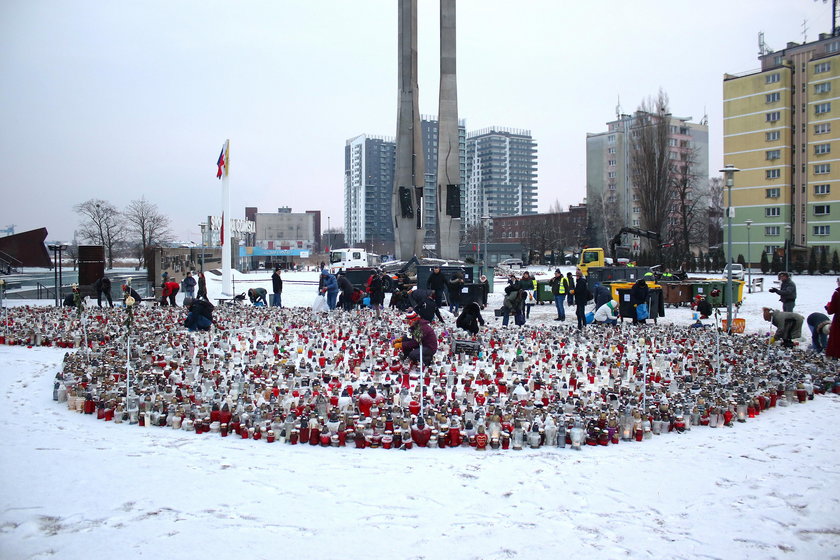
(227,288)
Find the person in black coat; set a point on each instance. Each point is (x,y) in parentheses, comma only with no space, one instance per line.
(485,290)
(129,291)
(582,297)
(276,289)
(601,294)
(639,295)
(437,283)
(346,288)
(470,318)
(514,302)
(423,303)
(103,287)
(376,291)
(454,289)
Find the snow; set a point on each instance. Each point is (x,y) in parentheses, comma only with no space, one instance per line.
(75,487)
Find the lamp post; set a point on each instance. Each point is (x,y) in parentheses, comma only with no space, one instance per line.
(203,227)
(787,247)
(57,248)
(484,222)
(749,262)
(329,239)
(729,171)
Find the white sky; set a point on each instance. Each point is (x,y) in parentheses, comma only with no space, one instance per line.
(117,99)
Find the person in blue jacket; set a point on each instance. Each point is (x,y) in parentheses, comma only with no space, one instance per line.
(330,288)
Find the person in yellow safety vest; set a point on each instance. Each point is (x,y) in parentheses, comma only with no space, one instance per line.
(559,288)
(666,275)
(648,276)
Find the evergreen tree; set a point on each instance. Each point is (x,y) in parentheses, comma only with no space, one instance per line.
(701,261)
(835,262)
(812,261)
(764,264)
(799,264)
(742,261)
(777,264)
(823,260)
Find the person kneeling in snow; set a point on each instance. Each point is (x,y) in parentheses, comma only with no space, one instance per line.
(258,295)
(607,313)
(420,334)
(200,316)
(470,318)
(788,325)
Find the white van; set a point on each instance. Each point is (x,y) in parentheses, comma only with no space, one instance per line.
(512,262)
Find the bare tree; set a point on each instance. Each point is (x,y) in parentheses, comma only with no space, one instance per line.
(144,220)
(715,211)
(606,221)
(650,165)
(690,215)
(101,224)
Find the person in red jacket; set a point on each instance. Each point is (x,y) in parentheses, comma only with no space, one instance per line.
(833,308)
(170,290)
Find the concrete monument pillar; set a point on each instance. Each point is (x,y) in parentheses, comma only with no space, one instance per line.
(449,185)
(407,199)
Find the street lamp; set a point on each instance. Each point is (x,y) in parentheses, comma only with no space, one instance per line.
(203,227)
(484,222)
(729,171)
(329,239)
(57,248)
(749,262)
(787,247)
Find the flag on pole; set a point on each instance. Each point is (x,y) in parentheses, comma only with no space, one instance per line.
(221,163)
(222,231)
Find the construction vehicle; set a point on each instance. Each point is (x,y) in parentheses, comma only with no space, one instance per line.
(594,257)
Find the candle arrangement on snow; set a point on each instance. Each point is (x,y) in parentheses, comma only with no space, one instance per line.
(337,380)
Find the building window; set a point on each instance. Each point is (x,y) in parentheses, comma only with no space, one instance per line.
(773,173)
(611,139)
(771,249)
(822,169)
(821,67)
(611,162)
(822,149)
(773,154)
(636,223)
(822,230)
(772,78)
(822,87)
(636,210)
(772,136)
(772,231)
(772,97)
(773,116)
(822,209)
(773,193)
(822,189)
(822,128)
(822,108)
(611,150)
(832,47)
(773,212)
(611,175)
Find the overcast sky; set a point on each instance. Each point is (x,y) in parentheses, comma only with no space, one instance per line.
(114,100)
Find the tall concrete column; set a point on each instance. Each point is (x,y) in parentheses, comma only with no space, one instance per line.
(449,185)
(407,199)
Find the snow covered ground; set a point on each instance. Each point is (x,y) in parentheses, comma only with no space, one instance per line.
(74,487)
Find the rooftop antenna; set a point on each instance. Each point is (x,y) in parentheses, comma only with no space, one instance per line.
(618,107)
(763,49)
(804,31)
(705,120)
